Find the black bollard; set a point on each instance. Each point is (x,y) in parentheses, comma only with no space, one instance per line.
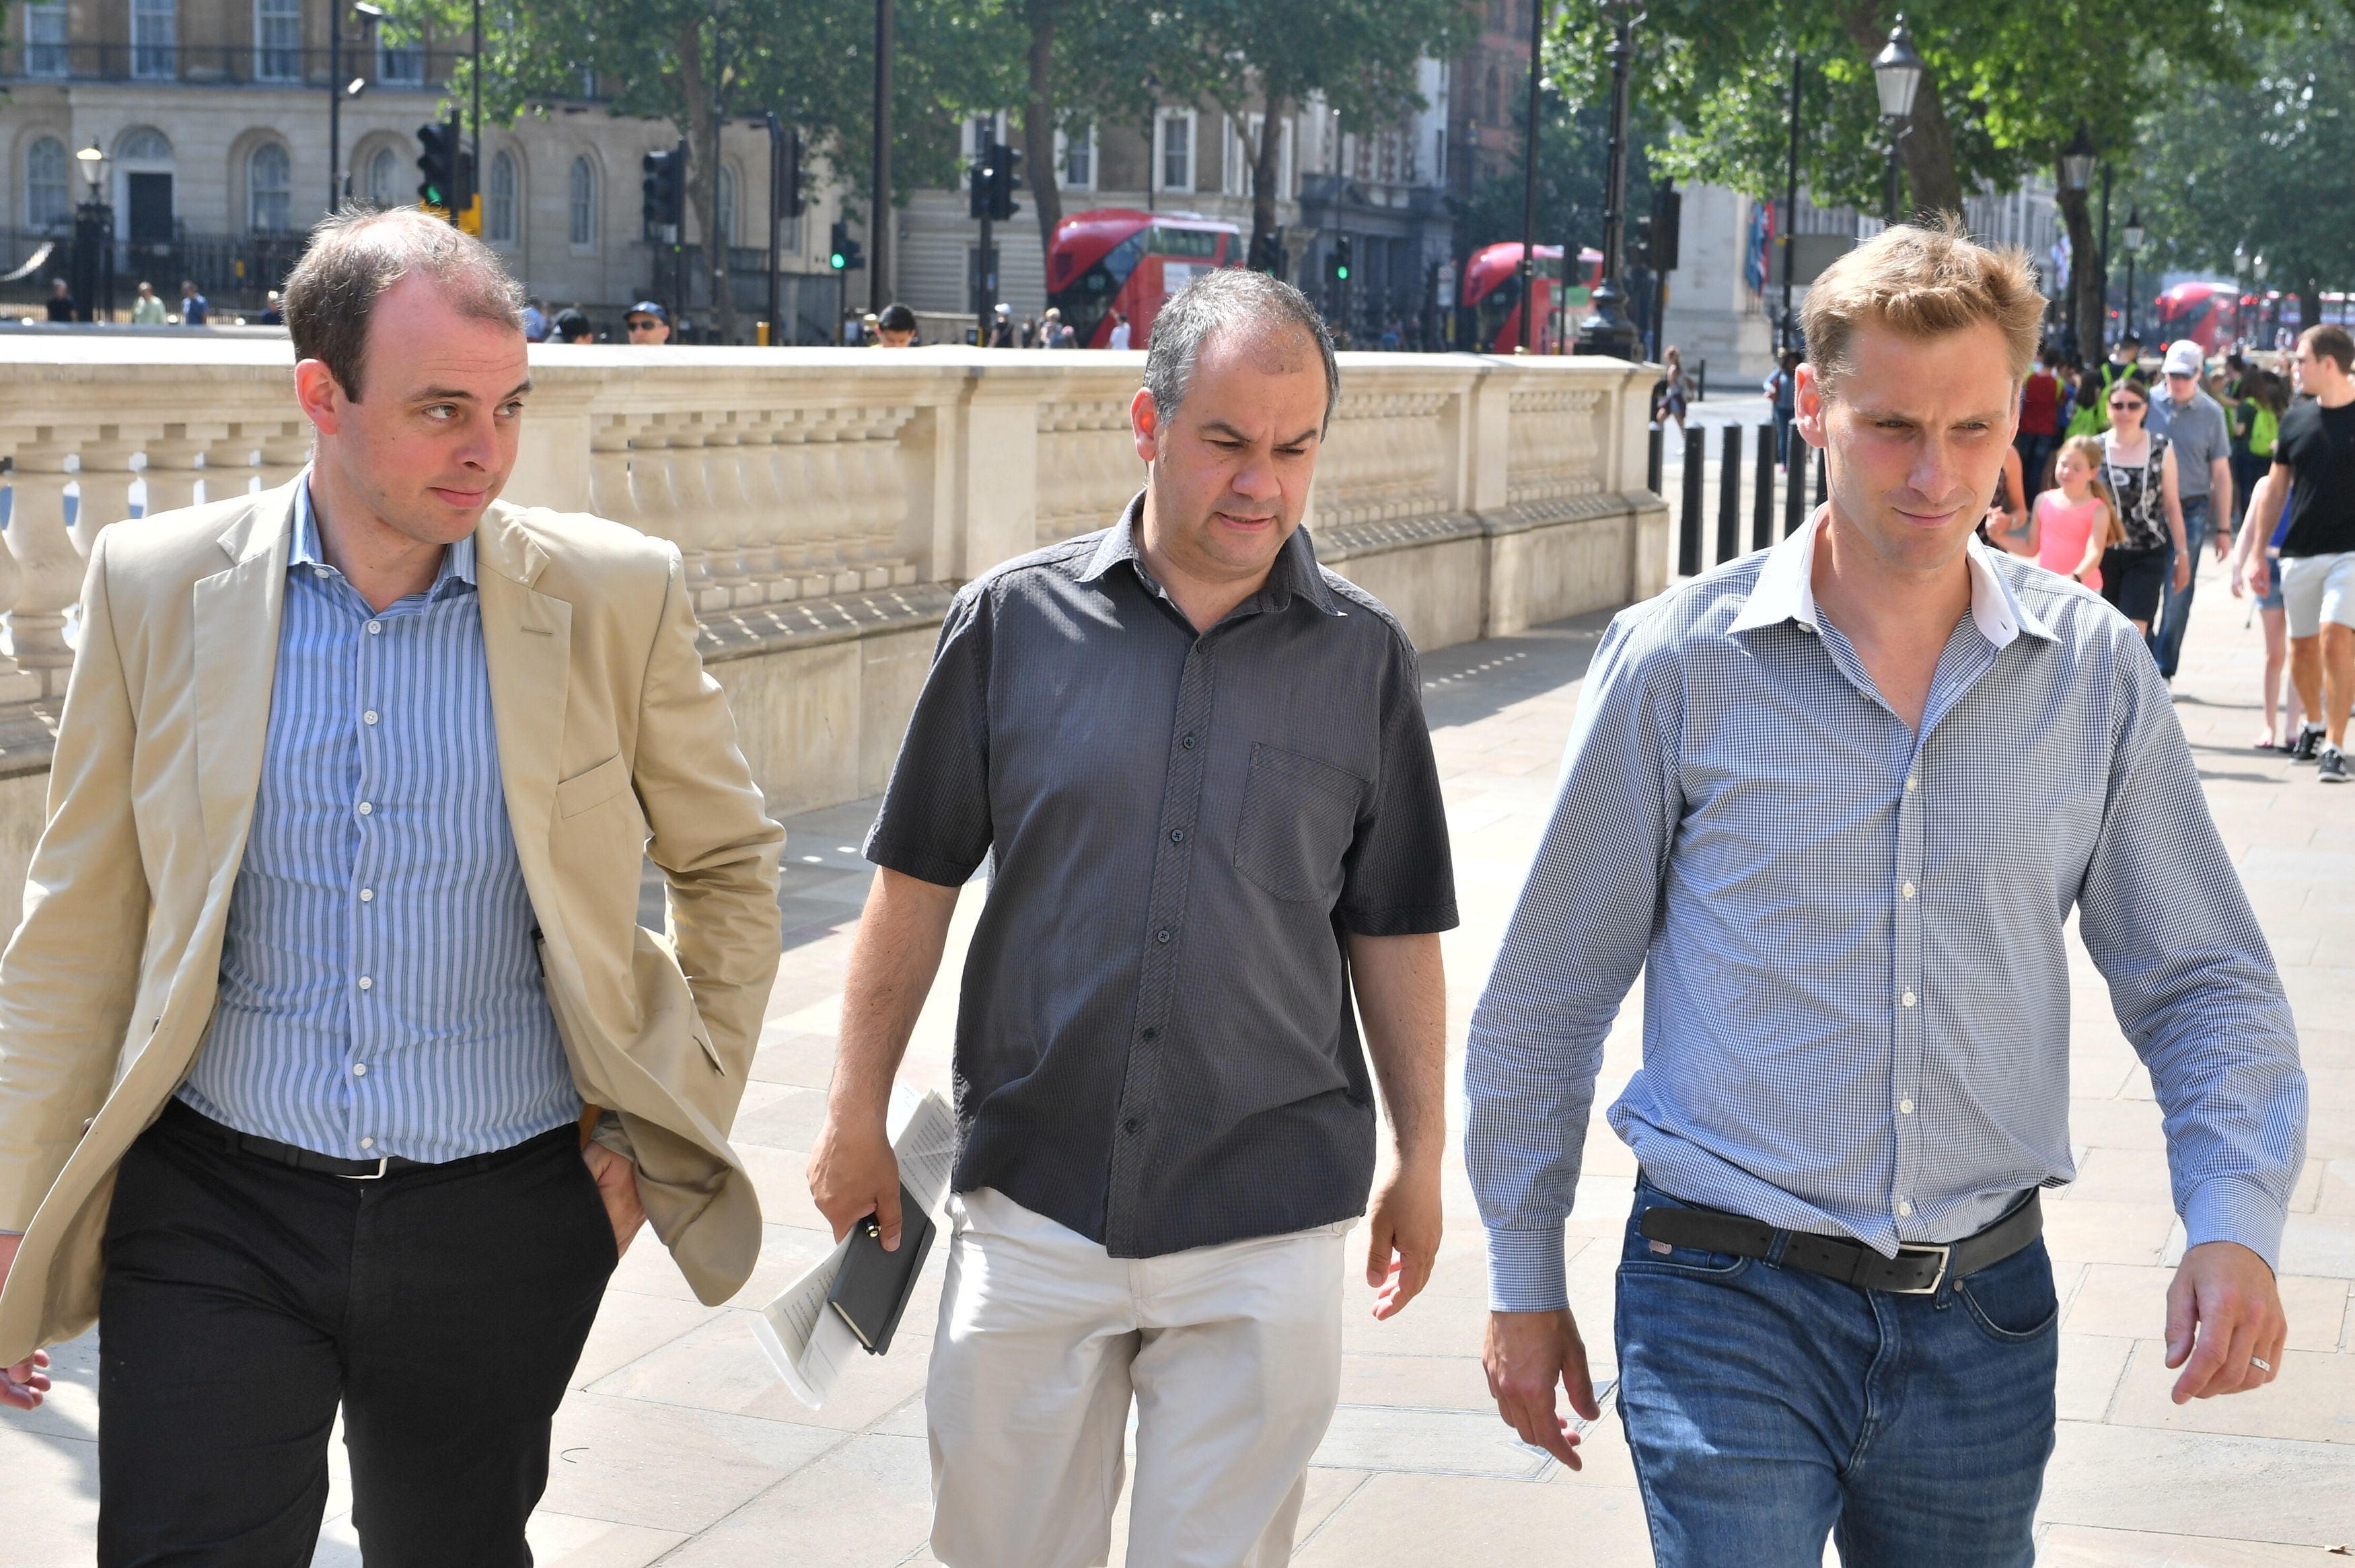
(1729,496)
(1689,524)
(1761,505)
(1794,485)
(1652,448)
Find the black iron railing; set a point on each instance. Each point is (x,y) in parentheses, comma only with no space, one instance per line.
(421,68)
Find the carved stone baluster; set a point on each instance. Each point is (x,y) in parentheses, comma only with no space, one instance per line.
(880,562)
(830,506)
(764,507)
(726,509)
(15,686)
(610,492)
(105,484)
(50,567)
(173,466)
(789,462)
(229,462)
(651,477)
(284,450)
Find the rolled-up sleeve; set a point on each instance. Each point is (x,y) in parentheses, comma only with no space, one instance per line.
(2168,924)
(1575,943)
(935,824)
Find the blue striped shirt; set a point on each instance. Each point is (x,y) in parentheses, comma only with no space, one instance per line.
(1855,980)
(379,987)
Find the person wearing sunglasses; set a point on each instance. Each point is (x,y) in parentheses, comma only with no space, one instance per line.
(648,324)
(2139,468)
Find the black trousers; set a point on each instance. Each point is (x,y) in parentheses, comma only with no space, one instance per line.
(443,1308)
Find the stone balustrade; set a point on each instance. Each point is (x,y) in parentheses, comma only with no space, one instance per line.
(827,502)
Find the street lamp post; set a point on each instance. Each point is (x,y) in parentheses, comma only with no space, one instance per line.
(1608,331)
(93,257)
(339,183)
(1896,76)
(1529,180)
(2134,238)
(2077,173)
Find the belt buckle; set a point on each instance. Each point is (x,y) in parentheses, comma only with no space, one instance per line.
(1945,1257)
(376,1175)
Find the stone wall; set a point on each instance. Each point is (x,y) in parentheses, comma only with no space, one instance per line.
(830,501)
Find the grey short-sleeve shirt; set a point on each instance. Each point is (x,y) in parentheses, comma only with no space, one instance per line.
(2198,431)
(1155,1042)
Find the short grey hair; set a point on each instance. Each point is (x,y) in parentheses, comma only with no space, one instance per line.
(1228,297)
(358,252)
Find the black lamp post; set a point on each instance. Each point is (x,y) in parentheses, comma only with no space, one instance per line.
(2076,174)
(94,252)
(2134,238)
(339,183)
(1530,180)
(1608,331)
(1896,76)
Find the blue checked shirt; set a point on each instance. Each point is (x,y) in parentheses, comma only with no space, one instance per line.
(1856,985)
(379,988)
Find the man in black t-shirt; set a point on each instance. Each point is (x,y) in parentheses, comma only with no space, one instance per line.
(2317,448)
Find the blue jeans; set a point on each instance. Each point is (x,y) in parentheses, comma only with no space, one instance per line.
(1767,1407)
(2167,632)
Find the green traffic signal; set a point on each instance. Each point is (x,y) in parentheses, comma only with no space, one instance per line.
(1342,273)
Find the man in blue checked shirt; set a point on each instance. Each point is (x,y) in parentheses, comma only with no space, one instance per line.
(1835,1311)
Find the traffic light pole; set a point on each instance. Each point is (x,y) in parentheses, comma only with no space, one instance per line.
(1530,179)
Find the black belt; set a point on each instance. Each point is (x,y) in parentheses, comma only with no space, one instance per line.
(1916,1270)
(193,1120)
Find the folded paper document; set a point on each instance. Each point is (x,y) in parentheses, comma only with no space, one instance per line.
(805,1338)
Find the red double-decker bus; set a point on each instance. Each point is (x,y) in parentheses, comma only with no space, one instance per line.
(1118,260)
(2207,313)
(1492,294)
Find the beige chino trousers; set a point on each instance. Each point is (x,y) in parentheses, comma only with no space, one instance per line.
(1231,1353)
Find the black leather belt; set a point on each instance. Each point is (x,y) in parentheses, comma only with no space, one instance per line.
(1916,1270)
(180,1112)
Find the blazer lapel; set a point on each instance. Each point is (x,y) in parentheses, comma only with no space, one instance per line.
(527,645)
(237,613)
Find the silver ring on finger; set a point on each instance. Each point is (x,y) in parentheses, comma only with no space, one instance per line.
(2261,1364)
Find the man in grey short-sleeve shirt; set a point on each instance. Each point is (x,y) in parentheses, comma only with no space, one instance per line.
(1198,765)
(2194,426)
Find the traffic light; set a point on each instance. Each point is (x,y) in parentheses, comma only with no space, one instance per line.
(842,251)
(976,181)
(663,186)
(1003,180)
(1342,251)
(1668,206)
(1267,252)
(1639,241)
(785,200)
(437,167)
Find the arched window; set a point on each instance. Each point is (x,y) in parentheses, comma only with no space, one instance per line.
(727,204)
(49,202)
(584,205)
(268,199)
(384,178)
(144,144)
(499,210)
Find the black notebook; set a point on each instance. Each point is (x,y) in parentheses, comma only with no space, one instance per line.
(874,1286)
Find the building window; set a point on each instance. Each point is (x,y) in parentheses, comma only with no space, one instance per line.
(499,209)
(726,204)
(1177,151)
(155,39)
(384,178)
(45,40)
(278,41)
(584,205)
(48,202)
(268,199)
(1080,160)
(399,59)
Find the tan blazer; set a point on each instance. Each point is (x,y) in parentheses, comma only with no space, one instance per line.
(613,743)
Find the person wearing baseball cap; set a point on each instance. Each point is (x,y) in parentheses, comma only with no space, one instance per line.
(648,323)
(2195,425)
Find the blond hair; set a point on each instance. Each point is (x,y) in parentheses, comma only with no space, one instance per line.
(1920,282)
(2089,451)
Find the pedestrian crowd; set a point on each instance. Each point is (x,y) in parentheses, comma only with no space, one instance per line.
(374,761)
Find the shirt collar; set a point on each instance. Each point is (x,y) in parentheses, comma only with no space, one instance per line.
(457,560)
(1295,570)
(1785,590)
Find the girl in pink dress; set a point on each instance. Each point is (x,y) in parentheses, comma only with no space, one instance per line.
(2072,525)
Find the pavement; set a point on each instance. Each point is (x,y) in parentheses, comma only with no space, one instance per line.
(678,1446)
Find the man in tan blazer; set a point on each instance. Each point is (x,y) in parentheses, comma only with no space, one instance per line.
(329,957)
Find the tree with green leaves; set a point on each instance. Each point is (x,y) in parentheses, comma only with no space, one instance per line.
(2005,89)
(2261,169)
(699,63)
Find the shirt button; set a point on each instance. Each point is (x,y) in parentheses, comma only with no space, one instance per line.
(366,984)
(1162,935)
(318,571)
(368,894)
(1188,742)
(368,717)
(366,808)
(1907,998)
(1909,890)
(368,1143)
(1905,1107)
(375,627)
(1904,1208)
(1150,1034)
(1130,1126)
(359,1069)
(1176,835)
(1911,784)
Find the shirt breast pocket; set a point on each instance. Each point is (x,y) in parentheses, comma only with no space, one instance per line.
(1299,816)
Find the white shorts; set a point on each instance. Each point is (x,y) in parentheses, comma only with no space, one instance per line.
(1231,1355)
(2316,588)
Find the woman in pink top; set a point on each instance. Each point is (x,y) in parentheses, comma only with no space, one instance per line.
(2072,524)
